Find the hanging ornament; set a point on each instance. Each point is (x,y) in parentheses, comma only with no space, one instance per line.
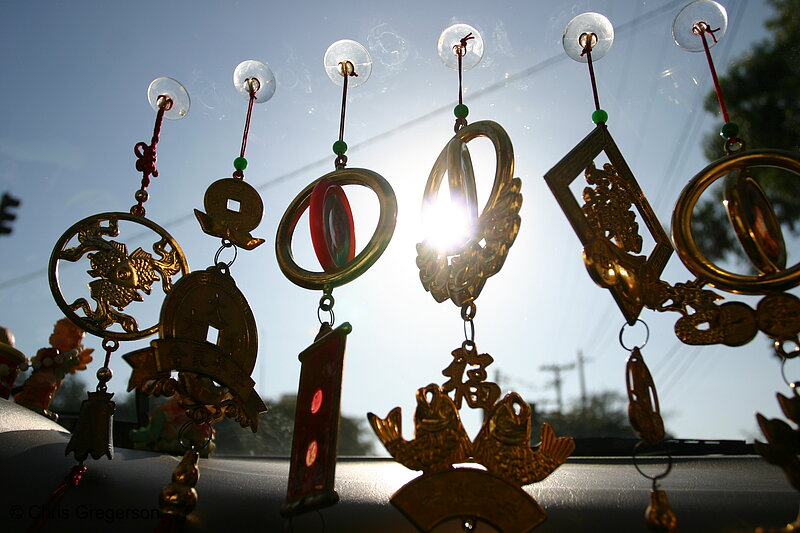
(698,27)
(458,270)
(119,278)
(606,222)
(314,442)
(607,226)
(234,208)
(207,331)
(644,415)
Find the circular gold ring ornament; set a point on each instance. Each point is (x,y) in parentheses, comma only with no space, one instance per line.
(360,263)
(119,275)
(460,272)
(456,162)
(686,245)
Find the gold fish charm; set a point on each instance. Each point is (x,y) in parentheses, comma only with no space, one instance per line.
(503,444)
(439,438)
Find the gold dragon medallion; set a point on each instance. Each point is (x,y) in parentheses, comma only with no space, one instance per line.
(119,277)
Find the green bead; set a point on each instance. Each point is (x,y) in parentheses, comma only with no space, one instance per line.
(729,130)
(599,117)
(339,147)
(461,111)
(240,163)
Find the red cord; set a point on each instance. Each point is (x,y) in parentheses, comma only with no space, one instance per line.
(587,51)
(701,28)
(461,52)
(146,158)
(72,480)
(168,524)
(247,122)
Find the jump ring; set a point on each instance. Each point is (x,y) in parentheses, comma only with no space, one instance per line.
(326,302)
(781,349)
(646,338)
(187,443)
(226,244)
(110,345)
(664,474)
(468,311)
(332,317)
(790,384)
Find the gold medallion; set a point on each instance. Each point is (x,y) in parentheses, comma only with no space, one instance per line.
(120,277)
(208,335)
(233,209)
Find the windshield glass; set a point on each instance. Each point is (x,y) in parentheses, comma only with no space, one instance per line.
(75,96)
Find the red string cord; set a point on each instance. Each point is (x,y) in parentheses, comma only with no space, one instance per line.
(344,106)
(72,480)
(587,51)
(461,51)
(168,524)
(347,71)
(146,156)
(247,120)
(701,28)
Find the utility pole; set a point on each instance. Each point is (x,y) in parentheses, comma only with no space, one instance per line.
(582,377)
(557,381)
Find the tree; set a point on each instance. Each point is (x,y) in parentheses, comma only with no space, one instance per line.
(276,427)
(605,415)
(761,91)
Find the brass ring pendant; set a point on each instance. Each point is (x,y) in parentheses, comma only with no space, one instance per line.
(450,161)
(462,278)
(361,262)
(686,245)
(121,274)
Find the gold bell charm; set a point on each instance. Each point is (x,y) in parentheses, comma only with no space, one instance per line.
(659,516)
(93,434)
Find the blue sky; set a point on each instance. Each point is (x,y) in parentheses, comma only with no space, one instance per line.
(75,103)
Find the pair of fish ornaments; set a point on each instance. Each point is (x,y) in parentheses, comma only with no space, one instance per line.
(502,446)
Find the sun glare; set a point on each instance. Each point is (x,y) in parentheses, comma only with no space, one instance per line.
(447,224)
